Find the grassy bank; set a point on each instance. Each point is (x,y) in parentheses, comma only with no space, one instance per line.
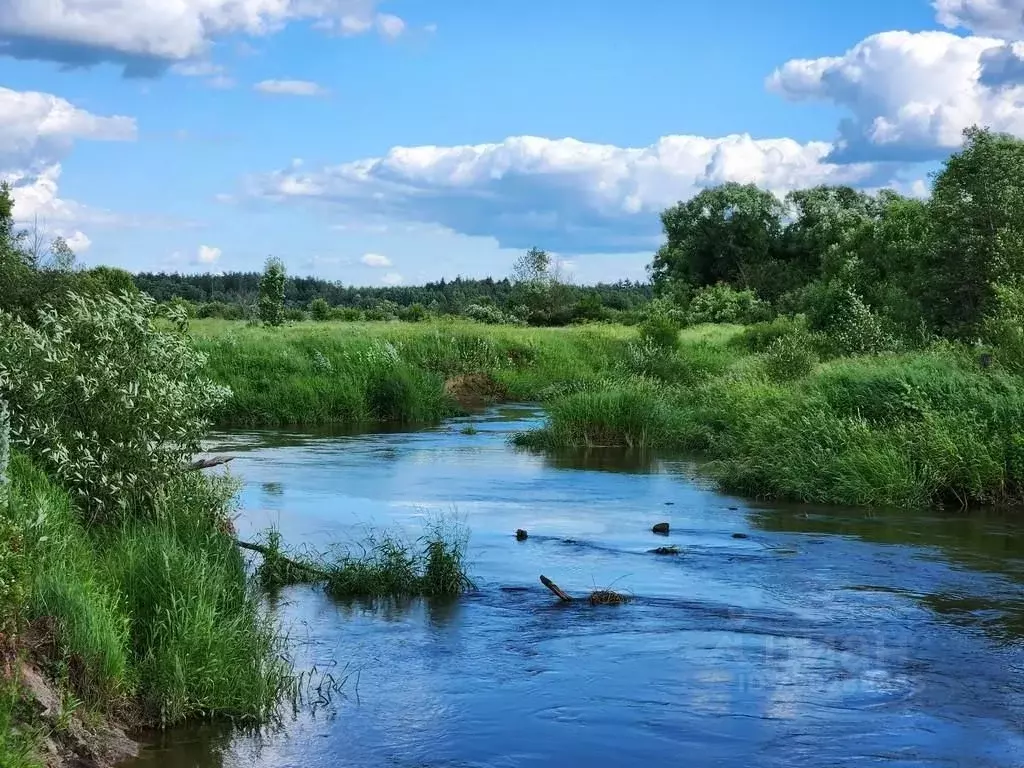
(909,429)
(148,623)
(365,373)
(779,419)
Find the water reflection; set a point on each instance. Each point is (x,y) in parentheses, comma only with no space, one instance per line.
(826,637)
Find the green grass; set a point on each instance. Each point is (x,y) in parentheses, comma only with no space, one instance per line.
(383,566)
(917,428)
(155,619)
(365,373)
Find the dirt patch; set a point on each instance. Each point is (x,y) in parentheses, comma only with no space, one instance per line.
(70,741)
(475,390)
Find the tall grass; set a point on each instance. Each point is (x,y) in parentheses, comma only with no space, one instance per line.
(385,565)
(911,429)
(154,618)
(362,373)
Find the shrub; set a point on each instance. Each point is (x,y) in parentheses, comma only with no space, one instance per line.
(759,336)
(485,314)
(790,356)
(320,310)
(346,314)
(722,303)
(106,397)
(660,331)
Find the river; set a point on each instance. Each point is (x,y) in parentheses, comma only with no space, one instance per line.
(824,638)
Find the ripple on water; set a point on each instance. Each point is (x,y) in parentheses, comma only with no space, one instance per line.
(827,637)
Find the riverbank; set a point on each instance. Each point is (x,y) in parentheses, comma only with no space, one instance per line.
(916,428)
(147,623)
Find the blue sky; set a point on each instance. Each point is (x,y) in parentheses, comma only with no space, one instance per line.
(381,142)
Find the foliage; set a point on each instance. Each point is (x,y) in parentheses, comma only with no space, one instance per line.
(977,207)
(720,303)
(106,397)
(228,295)
(383,566)
(271,301)
(719,235)
(790,356)
(320,310)
(758,337)
(660,330)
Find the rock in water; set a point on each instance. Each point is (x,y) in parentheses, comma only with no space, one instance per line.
(521,535)
(661,528)
(740,536)
(665,551)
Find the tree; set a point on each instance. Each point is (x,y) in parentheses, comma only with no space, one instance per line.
(721,235)
(271,301)
(977,212)
(534,266)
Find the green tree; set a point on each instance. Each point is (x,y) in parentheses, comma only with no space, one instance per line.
(724,234)
(271,301)
(977,211)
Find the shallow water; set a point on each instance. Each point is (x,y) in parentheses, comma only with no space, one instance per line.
(826,638)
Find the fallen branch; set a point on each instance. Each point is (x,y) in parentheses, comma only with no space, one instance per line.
(268,552)
(214,461)
(556,589)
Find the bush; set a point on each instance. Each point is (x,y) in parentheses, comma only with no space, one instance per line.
(790,356)
(660,331)
(320,310)
(346,314)
(485,314)
(414,313)
(106,397)
(760,336)
(722,303)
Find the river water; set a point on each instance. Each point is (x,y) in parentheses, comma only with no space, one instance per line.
(825,638)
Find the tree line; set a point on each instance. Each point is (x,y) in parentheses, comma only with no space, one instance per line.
(902,265)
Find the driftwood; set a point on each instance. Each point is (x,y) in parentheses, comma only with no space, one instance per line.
(213,461)
(265,551)
(555,589)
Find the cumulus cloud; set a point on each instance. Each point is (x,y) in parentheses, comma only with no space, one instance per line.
(375,260)
(207,254)
(78,241)
(146,36)
(37,130)
(290,88)
(995,18)
(566,194)
(910,95)
(392,279)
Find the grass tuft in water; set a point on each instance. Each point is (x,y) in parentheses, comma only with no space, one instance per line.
(385,565)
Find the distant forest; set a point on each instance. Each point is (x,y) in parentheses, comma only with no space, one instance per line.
(215,293)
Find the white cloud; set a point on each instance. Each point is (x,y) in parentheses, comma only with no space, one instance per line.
(392,279)
(40,126)
(390,26)
(912,94)
(997,18)
(563,194)
(145,36)
(78,241)
(37,130)
(290,88)
(375,260)
(216,76)
(207,254)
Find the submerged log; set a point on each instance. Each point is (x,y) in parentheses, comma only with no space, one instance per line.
(213,461)
(555,589)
